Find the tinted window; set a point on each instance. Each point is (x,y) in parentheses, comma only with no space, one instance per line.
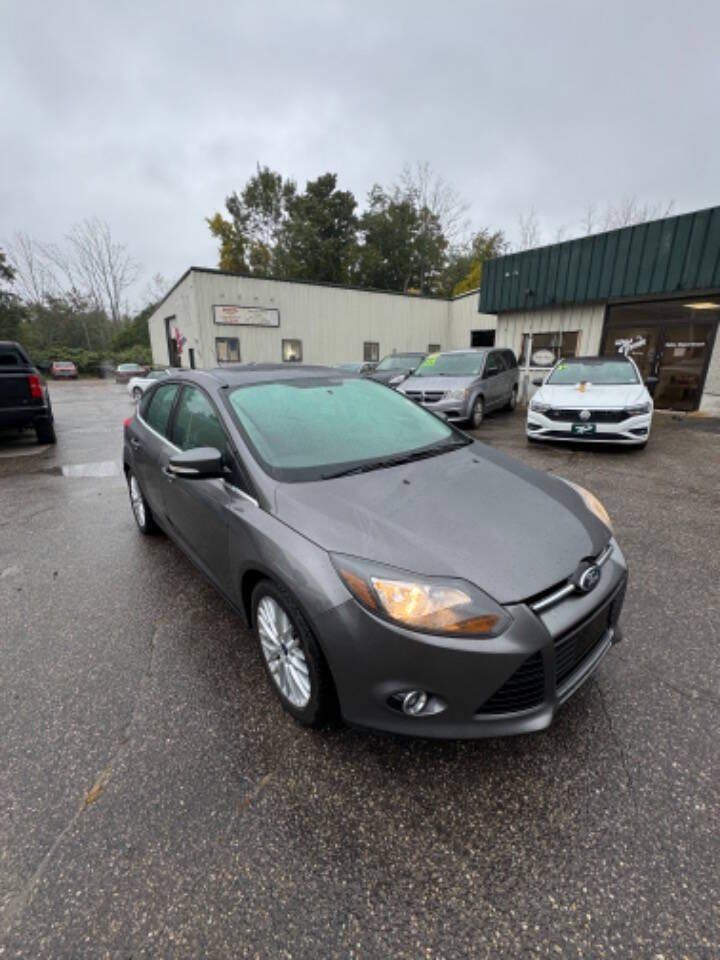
(10,358)
(302,429)
(157,413)
(196,423)
(510,359)
(570,372)
(492,366)
(451,365)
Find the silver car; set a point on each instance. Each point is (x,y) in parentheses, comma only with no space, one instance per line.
(464,385)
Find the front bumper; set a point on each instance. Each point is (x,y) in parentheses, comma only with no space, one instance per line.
(477,688)
(633,430)
(454,410)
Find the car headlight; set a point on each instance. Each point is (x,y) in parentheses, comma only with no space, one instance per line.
(428,604)
(592,503)
(637,409)
(396,380)
(455,394)
(538,407)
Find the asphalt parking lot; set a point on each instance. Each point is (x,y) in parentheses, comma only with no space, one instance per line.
(157,802)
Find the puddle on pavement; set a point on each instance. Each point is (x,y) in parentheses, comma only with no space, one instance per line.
(103,468)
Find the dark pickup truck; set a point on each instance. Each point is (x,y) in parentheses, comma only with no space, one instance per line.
(24,397)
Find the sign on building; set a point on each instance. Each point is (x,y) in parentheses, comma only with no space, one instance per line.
(247,316)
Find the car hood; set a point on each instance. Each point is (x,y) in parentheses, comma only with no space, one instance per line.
(436,383)
(594,395)
(474,513)
(385,376)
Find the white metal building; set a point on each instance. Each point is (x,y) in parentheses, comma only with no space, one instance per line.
(212,317)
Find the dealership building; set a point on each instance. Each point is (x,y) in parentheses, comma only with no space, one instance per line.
(652,289)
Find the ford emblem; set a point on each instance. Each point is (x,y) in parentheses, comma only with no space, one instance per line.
(589,579)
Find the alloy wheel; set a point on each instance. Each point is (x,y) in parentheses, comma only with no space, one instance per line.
(283,652)
(137,502)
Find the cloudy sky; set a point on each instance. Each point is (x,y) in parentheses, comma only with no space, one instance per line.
(147,114)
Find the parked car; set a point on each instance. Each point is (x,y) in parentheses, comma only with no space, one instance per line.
(393,369)
(24,396)
(387,562)
(464,385)
(127,370)
(138,385)
(362,367)
(591,400)
(63,370)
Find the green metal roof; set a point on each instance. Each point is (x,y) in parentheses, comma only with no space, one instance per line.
(679,253)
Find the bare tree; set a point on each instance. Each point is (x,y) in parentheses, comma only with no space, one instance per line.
(529,230)
(155,289)
(429,191)
(589,220)
(35,275)
(630,211)
(103,267)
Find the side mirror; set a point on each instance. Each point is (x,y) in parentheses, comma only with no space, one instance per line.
(537,381)
(201,463)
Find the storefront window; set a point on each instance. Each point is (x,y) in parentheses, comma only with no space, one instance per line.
(548,348)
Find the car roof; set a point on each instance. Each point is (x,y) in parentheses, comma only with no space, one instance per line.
(240,374)
(596,361)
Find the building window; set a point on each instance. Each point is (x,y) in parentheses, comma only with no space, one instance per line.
(371,351)
(482,338)
(227,349)
(548,348)
(434,348)
(292,351)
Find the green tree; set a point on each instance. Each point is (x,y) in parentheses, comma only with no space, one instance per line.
(318,239)
(247,239)
(464,268)
(12,312)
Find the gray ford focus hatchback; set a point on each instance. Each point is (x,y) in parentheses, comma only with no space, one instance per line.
(389,565)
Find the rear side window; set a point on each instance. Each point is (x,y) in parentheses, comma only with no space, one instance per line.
(196,423)
(510,359)
(10,358)
(157,413)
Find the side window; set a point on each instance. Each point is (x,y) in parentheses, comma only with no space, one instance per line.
(292,351)
(197,424)
(501,361)
(371,351)
(510,359)
(434,348)
(227,349)
(157,412)
(491,365)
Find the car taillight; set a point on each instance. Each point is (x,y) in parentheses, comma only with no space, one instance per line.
(35,384)
(127,422)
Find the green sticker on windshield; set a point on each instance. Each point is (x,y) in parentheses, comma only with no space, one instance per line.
(430,361)
(562,366)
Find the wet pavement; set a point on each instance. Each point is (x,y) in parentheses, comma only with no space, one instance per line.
(156,802)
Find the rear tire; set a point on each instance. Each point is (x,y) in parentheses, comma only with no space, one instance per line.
(512,402)
(141,511)
(293,661)
(45,431)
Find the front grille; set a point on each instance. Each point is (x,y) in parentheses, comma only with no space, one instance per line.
(596,416)
(565,434)
(574,648)
(524,690)
(425,396)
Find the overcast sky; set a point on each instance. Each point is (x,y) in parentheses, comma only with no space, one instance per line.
(148,114)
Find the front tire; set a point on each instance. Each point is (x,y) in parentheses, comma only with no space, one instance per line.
(477,414)
(292,658)
(141,511)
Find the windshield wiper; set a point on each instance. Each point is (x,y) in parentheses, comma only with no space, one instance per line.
(433,451)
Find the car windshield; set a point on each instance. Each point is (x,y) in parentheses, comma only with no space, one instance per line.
(399,361)
(316,428)
(351,367)
(451,365)
(607,372)
(126,367)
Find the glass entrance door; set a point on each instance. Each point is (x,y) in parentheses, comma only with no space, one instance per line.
(681,367)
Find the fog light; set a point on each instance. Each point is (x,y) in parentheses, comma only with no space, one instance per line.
(414,702)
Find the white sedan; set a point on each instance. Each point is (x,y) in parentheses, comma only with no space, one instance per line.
(138,385)
(591,399)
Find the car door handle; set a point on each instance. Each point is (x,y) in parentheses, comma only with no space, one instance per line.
(168,473)
(135,444)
